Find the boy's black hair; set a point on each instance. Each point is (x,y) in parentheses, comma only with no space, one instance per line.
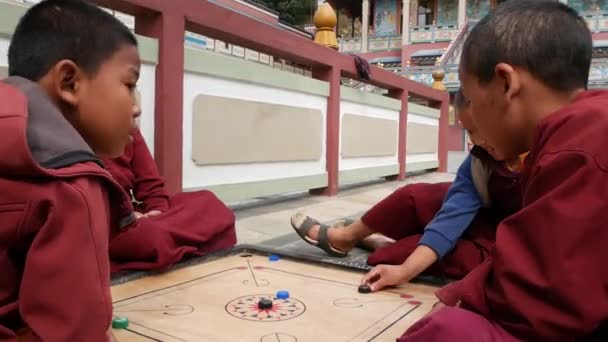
(545,37)
(54,30)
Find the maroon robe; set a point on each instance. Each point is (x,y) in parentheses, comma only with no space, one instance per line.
(55,208)
(191,224)
(547,279)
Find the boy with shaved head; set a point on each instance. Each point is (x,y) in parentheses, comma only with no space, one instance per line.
(524,70)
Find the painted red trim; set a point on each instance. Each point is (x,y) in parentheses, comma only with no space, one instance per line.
(250,11)
(402,149)
(444,110)
(210,19)
(332,152)
(600,36)
(371,55)
(164,20)
(409,49)
(168,118)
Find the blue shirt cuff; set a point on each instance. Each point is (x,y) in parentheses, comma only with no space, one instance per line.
(437,242)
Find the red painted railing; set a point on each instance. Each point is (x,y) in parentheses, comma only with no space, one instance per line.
(167,22)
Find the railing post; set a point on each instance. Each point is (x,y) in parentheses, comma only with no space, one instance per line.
(169,29)
(402,95)
(444,112)
(332,130)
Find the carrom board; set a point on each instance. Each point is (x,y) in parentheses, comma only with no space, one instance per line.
(216,300)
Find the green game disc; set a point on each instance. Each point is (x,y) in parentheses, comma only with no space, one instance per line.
(120,323)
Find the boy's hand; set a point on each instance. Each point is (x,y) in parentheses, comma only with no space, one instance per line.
(138,215)
(386,275)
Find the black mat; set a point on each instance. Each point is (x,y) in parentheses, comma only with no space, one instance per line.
(288,245)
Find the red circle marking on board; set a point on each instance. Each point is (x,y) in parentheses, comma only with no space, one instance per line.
(406,296)
(258,267)
(414,302)
(241,268)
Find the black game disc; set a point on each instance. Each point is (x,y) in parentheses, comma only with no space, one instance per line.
(265,304)
(364,289)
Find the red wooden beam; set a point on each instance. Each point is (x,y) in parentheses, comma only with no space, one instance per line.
(332,135)
(168,28)
(136,7)
(444,110)
(207,18)
(402,95)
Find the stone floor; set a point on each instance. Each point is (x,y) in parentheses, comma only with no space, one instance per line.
(268,218)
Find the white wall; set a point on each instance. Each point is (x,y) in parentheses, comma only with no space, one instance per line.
(4,42)
(412,117)
(147,86)
(195,177)
(348,107)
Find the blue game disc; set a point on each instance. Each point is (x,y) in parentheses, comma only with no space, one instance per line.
(282,294)
(274,257)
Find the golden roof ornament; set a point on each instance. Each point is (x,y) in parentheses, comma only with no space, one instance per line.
(325,21)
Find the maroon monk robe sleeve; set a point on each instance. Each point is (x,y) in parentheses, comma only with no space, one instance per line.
(148,187)
(65,287)
(548,276)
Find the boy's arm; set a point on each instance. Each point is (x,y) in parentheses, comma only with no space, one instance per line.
(149,187)
(65,289)
(461,204)
(548,274)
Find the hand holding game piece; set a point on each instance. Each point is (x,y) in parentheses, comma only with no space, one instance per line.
(386,275)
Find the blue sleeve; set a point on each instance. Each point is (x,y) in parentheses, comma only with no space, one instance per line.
(458,210)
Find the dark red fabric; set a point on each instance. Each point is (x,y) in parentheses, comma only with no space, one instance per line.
(54,231)
(404,214)
(546,279)
(456,325)
(191,224)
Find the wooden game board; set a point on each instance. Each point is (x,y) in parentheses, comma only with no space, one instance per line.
(216,300)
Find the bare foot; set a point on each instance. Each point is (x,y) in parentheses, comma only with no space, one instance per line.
(376,241)
(372,242)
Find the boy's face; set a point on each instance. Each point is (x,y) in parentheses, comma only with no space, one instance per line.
(494,115)
(464,114)
(102,107)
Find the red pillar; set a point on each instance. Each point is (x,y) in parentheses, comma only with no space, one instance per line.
(169,28)
(444,108)
(401,95)
(332,76)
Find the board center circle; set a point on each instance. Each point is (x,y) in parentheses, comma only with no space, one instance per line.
(246,308)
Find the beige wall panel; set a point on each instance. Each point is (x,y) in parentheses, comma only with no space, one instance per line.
(3,72)
(422,138)
(234,131)
(368,137)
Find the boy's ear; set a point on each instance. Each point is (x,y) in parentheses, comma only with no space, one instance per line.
(510,79)
(67,79)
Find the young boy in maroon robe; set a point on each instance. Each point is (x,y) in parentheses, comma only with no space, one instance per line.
(69,97)
(442,229)
(168,228)
(524,69)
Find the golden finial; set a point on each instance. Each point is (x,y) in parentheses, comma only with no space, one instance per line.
(438,76)
(325,21)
